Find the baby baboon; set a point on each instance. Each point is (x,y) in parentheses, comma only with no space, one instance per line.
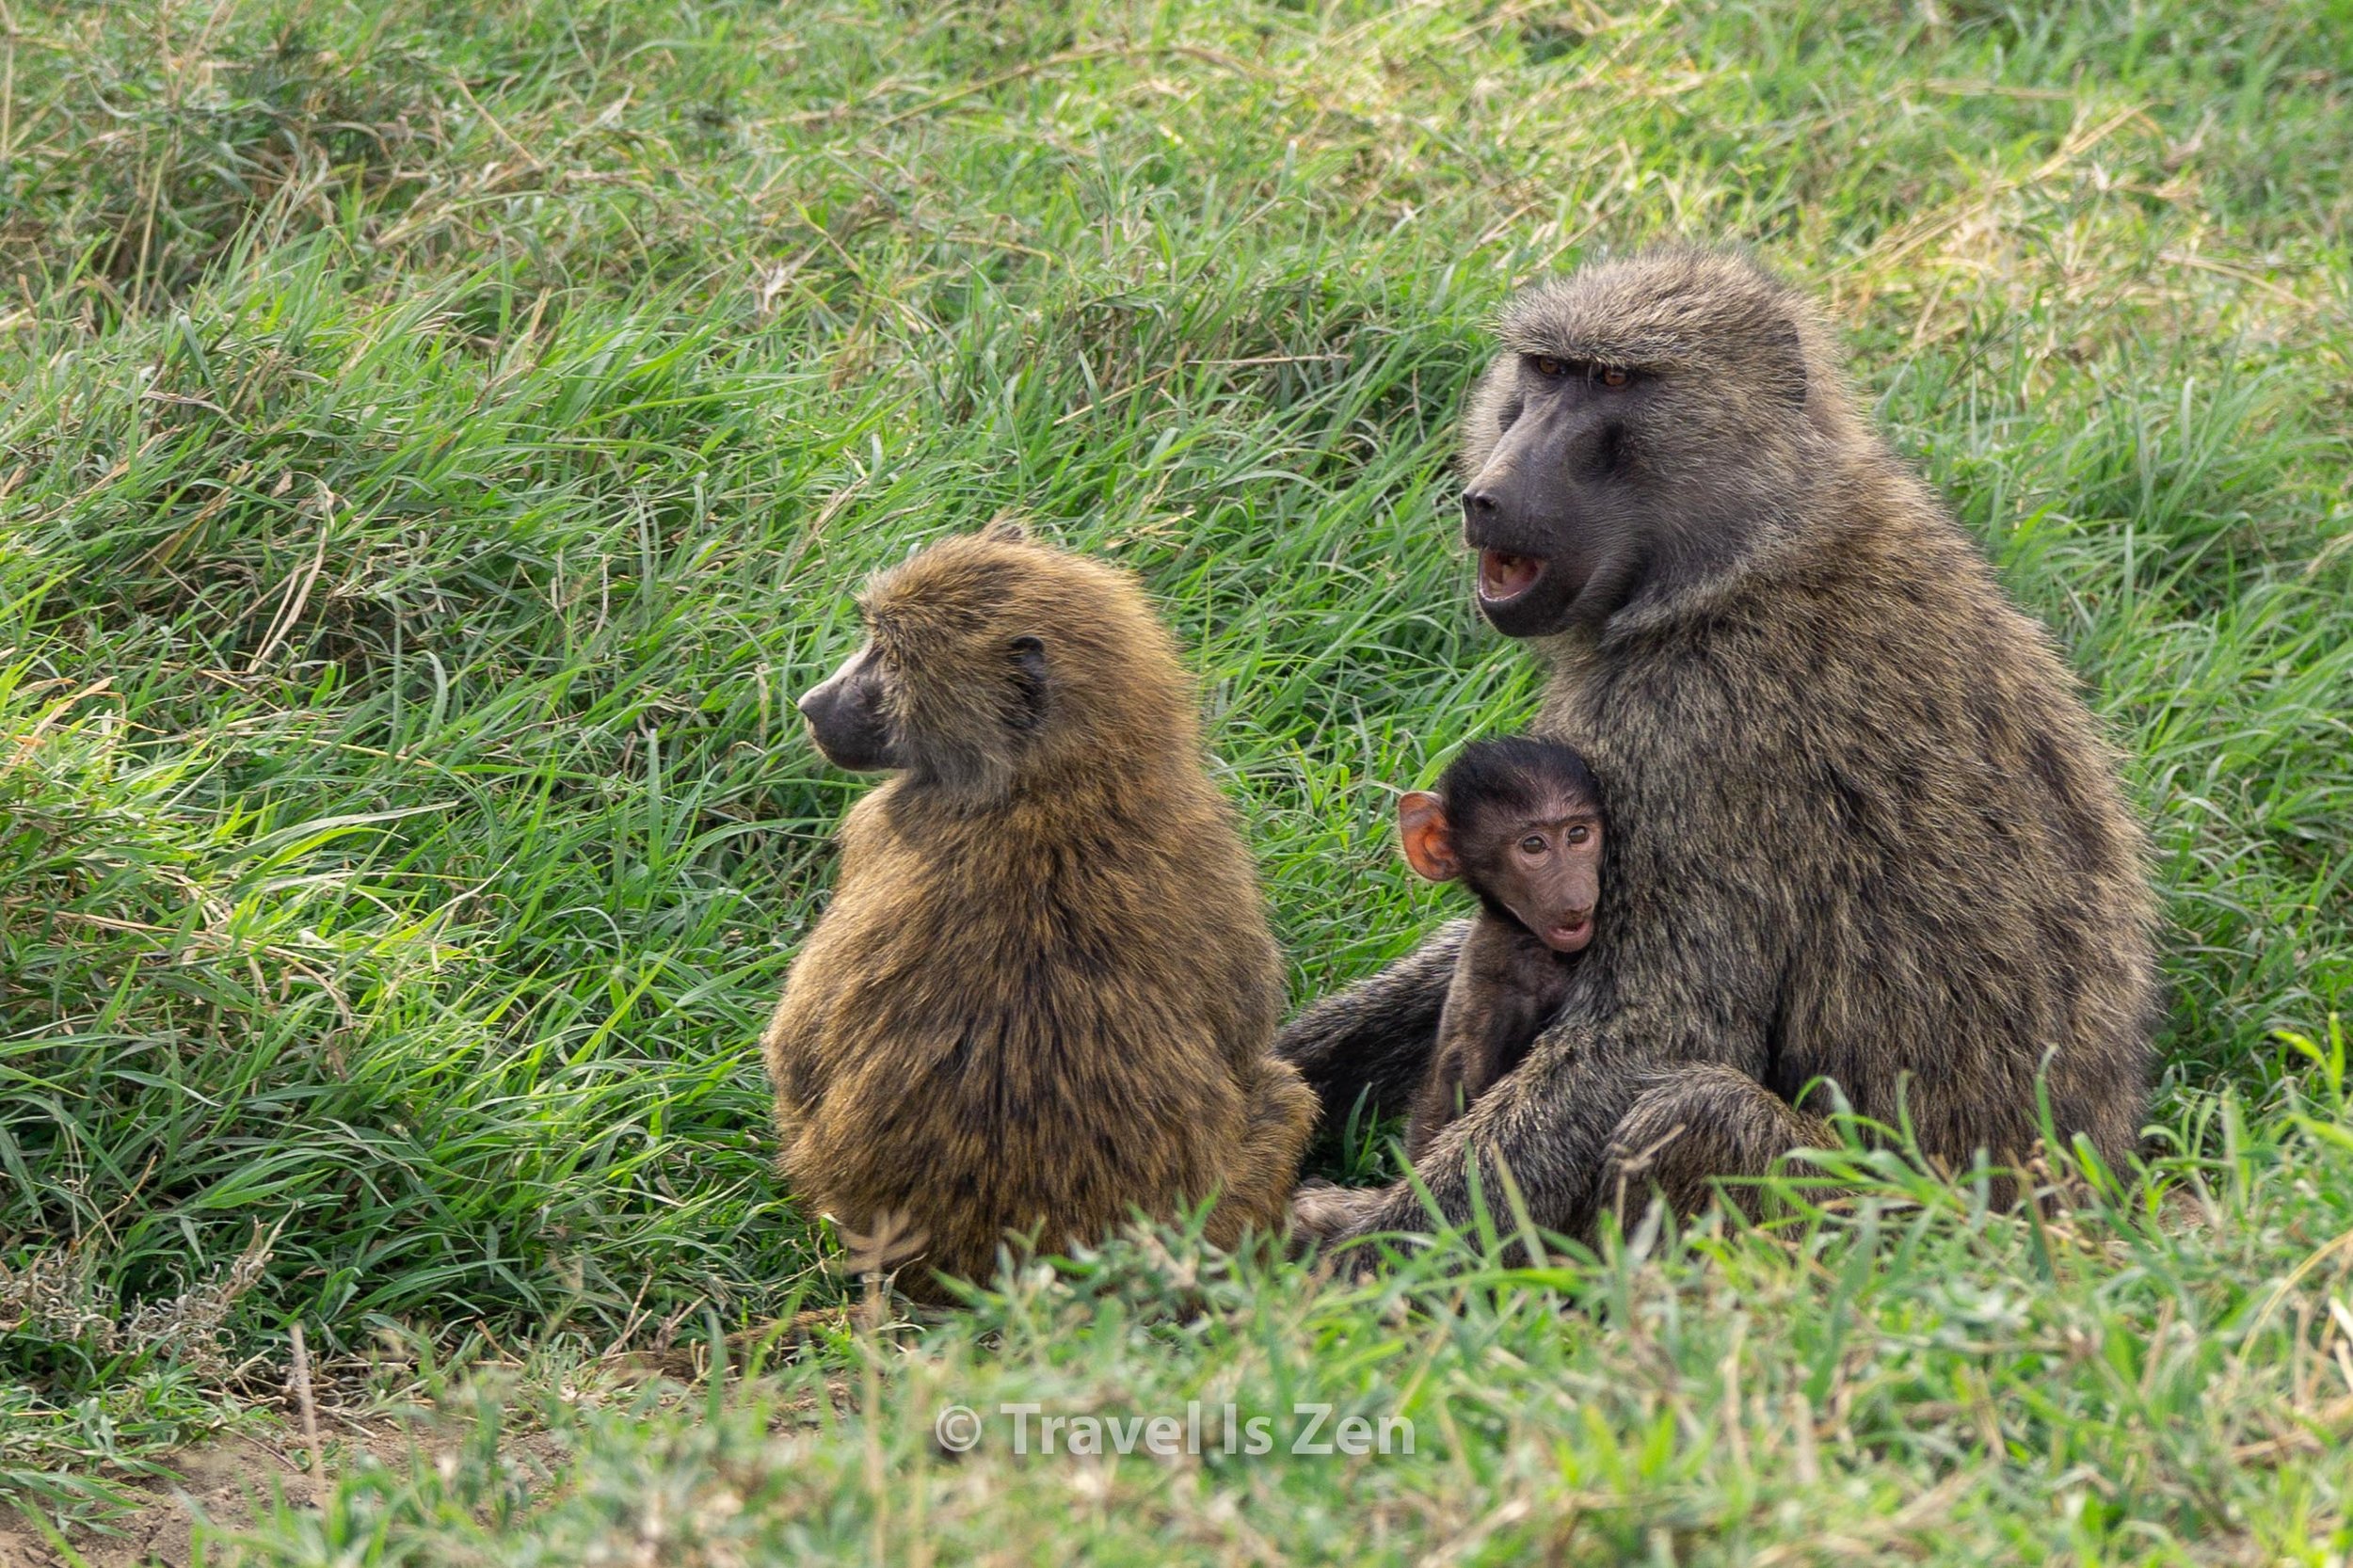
(1044,992)
(1518,823)
(1862,830)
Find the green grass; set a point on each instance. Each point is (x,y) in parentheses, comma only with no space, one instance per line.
(436,445)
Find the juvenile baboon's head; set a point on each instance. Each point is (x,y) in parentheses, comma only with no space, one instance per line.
(1650,424)
(992,660)
(1519,820)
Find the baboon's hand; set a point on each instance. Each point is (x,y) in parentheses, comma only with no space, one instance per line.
(1321,1211)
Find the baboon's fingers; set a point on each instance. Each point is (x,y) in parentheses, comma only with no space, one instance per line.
(1707,1125)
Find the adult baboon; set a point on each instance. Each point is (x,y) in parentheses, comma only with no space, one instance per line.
(1045,991)
(1869,832)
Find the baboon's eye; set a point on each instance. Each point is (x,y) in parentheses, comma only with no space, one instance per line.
(1580,834)
(1532,844)
(1611,375)
(1549,367)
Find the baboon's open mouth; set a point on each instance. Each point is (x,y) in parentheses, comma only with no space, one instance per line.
(1570,936)
(1503,576)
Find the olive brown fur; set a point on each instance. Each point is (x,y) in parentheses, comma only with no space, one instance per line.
(1043,994)
(1870,834)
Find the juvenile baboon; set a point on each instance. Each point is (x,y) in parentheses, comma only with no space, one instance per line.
(1863,829)
(1518,823)
(1044,993)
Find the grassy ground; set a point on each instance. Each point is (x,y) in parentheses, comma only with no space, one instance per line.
(434,445)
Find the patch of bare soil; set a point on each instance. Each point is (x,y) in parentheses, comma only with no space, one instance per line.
(230,1481)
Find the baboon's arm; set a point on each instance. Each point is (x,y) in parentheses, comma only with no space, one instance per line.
(1506,988)
(1442,1098)
(1378,1034)
(1552,1120)
(1492,1016)
(785,1046)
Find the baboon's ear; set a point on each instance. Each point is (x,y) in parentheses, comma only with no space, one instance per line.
(1422,833)
(1029,673)
(1006,531)
(1790,354)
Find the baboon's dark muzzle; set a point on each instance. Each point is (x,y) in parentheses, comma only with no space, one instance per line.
(847,724)
(1531,522)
